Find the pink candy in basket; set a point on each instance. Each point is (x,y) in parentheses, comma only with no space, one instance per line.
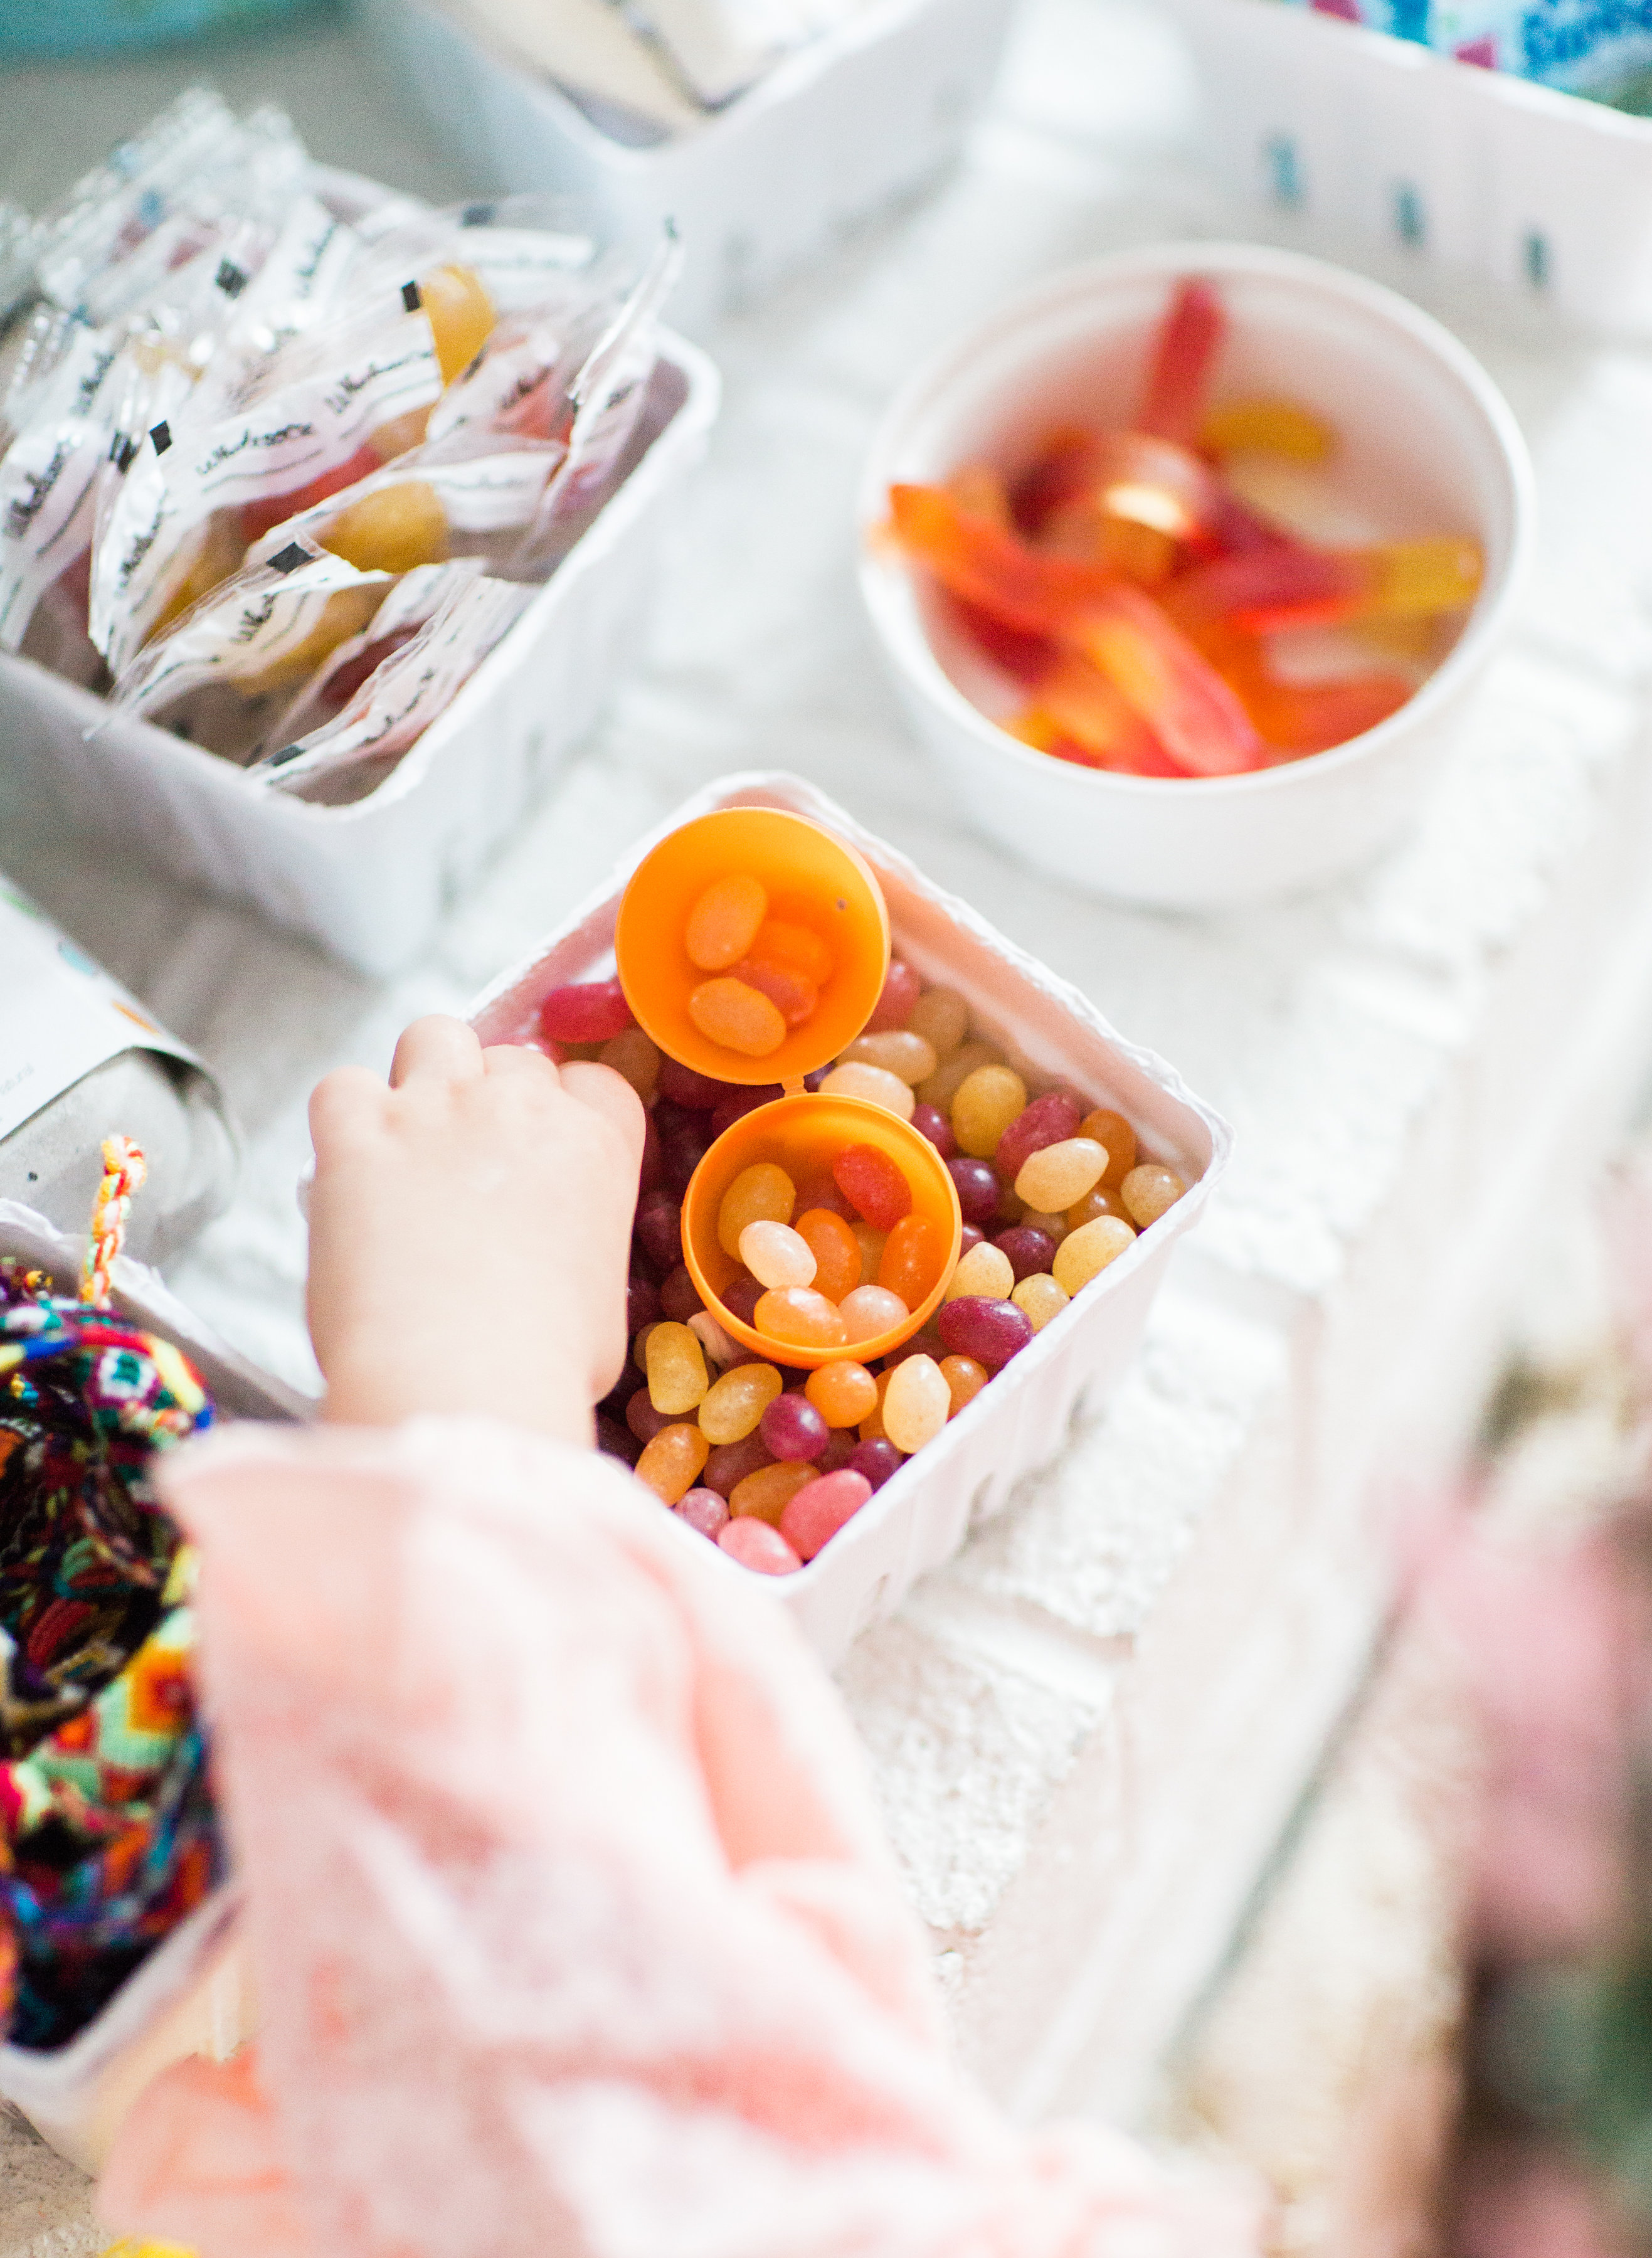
(1077,1160)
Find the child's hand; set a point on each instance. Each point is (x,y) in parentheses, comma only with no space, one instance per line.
(468,1233)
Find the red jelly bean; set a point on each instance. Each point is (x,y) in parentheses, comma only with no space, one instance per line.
(1049,1120)
(658,1228)
(930,1122)
(680,1295)
(696,1093)
(589,1011)
(615,1441)
(793,1429)
(729,1110)
(642,1419)
(815,1515)
(1029,1251)
(873,1184)
(991,1331)
(876,1459)
(755,1546)
(705,1510)
(978,1188)
(902,989)
(730,1463)
(792,993)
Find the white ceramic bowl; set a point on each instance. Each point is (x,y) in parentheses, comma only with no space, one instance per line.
(1427,445)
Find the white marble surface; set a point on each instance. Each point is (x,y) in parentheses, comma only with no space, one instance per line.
(1086,1730)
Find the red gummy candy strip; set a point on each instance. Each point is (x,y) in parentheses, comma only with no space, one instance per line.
(1173,407)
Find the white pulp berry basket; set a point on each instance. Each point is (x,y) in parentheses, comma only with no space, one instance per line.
(1021,1420)
(1544,192)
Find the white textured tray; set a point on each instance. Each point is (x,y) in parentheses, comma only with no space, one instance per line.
(1018,1424)
(190,1996)
(837,133)
(1547,194)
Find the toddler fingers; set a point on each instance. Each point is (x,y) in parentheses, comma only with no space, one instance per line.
(437,1046)
(607,1093)
(348,1099)
(516,1058)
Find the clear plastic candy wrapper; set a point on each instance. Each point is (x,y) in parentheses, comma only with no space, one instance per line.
(234,421)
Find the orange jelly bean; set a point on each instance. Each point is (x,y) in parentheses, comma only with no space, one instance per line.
(872,1428)
(739,1017)
(792,993)
(725,921)
(672,1463)
(1113,1131)
(800,1317)
(800,946)
(911,1256)
(766,1495)
(836,1252)
(843,1394)
(965,1378)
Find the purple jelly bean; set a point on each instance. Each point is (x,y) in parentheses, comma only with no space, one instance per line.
(739,1102)
(971,1235)
(841,1448)
(978,1188)
(658,1228)
(642,1419)
(653,1168)
(682,1151)
(991,1331)
(1029,1251)
(641,1306)
(1049,1120)
(930,1122)
(705,1510)
(793,1429)
(680,1295)
(615,1441)
(742,1294)
(696,1093)
(731,1462)
(876,1459)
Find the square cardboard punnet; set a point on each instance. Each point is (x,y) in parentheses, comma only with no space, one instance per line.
(370,880)
(191,1995)
(1020,1422)
(835,134)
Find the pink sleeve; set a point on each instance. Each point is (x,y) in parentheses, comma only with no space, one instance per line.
(570,1922)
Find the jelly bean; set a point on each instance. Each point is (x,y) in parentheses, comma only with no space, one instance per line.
(842,1394)
(871,1244)
(781,943)
(766,1495)
(1053,1226)
(985,1272)
(941,1087)
(798,1317)
(1041,1298)
(1148,1191)
(911,1261)
(792,993)
(682,1149)
(762,1193)
(1112,1130)
(777,1255)
(652,1172)
(740,1297)
(1047,1120)
(642,1419)
(873,1184)
(719,1350)
(704,1510)
(461,317)
(817,1513)
(1266,427)
(617,1442)
(739,1102)
(902,989)
(586,1011)
(1010,1210)
(838,1451)
(671,1463)
(926,1342)
(730,1463)
(695,1093)
(792,1428)
(1029,1249)
(676,1369)
(819,1189)
(872,1428)
(392,530)
(739,1017)
(755,1546)
(835,1249)
(986,1104)
(965,1379)
(991,1332)
(969,1235)
(870,1310)
(680,1295)
(1057,1176)
(917,1403)
(930,1122)
(725,921)
(979,1190)
(905,1055)
(659,1228)
(876,1458)
(733,1407)
(635,1060)
(1084,1252)
(873,1086)
(941,1016)
(1104,1199)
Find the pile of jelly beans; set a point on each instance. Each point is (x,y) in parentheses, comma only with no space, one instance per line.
(770,1463)
(766,974)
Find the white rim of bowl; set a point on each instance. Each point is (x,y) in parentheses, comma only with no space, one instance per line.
(880,574)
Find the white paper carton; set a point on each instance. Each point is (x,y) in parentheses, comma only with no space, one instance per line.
(1020,1422)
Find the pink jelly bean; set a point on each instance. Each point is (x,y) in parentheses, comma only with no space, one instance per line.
(755,1546)
(730,1463)
(902,989)
(991,1331)
(705,1510)
(816,1514)
(589,1011)
(1049,1120)
(930,1122)
(792,1428)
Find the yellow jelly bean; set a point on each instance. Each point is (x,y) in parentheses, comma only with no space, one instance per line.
(635,1059)
(392,530)
(1267,427)
(740,1017)
(673,1461)
(676,1367)
(987,1102)
(965,1379)
(798,1317)
(767,1493)
(1084,1252)
(1040,1298)
(917,1403)
(734,1404)
(949,1076)
(1059,1175)
(986,1270)
(777,1255)
(762,1193)
(941,1016)
(898,1052)
(1148,1191)
(842,1394)
(724,922)
(874,1086)
(461,317)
